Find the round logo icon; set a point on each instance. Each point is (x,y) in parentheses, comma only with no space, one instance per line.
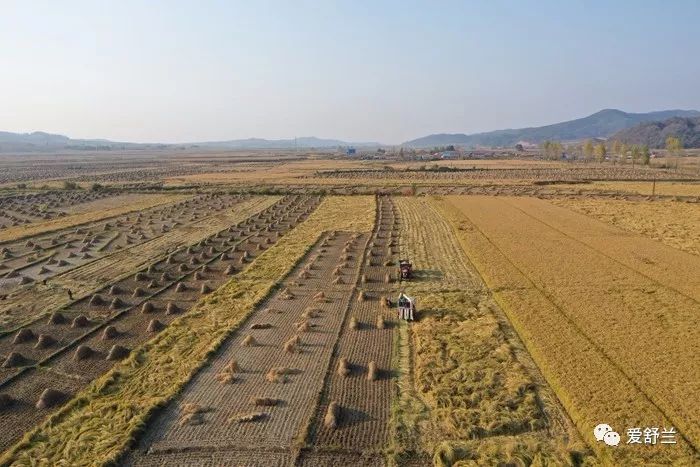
(600,430)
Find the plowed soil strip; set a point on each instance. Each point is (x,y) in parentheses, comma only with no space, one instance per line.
(584,303)
(362,430)
(297,396)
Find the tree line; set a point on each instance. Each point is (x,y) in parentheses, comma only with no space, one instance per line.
(610,150)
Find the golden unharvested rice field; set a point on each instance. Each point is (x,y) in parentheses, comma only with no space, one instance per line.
(673,223)
(608,316)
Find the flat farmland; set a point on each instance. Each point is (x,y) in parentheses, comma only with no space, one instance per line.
(128,312)
(674,223)
(468,390)
(589,299)
(154,372)
(41,270)
(212,307)
(92,213)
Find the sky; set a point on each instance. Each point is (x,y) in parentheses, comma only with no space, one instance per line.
(386,71)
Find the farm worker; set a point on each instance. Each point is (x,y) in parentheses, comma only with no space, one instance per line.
(70,294)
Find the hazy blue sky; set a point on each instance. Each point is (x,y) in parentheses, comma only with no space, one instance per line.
(175,71)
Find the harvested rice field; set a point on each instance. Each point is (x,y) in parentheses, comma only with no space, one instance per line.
(304,309)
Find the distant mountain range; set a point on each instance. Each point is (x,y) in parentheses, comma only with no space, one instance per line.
(654,134)
(39,141)
(304,142)
(653,129)
(599,125)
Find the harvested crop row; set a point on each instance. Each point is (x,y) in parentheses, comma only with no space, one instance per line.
(110,412)
(355,406)
(18,232)
(82,268)
(129,312)
(586,317)
(262,386)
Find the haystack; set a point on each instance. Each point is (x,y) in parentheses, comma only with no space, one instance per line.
(96,300)
(82,352)
(57,318)
(320,297)
(110,332)
(264,401)
(343,367)
(248,341)
(381,324)
(117,352)
(44,341)
(247,418)
(332,417)
(23,335)
(80,321)
(155,326)
(50,398)
(171,308)
(14,359)
(372,371)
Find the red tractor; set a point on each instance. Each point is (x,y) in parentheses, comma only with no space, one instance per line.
(405,269)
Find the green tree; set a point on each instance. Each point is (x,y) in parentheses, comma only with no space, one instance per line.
(600,152)
(674,146)
(623,152)
(588,149)
(636,154)
(617,149)
(646,155)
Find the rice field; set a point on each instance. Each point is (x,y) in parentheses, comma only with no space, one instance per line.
(673,223)
(242,309)
(585,303)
